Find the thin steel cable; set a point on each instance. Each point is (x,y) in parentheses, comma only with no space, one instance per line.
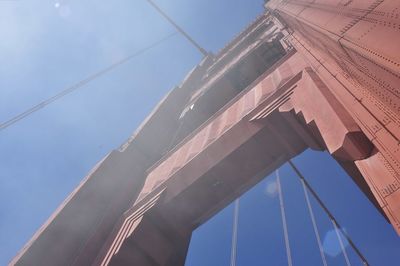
(314,223)
(234,233)
(344,252)
(178,28)
(80,84)
(331,217)
(172,143)
(284,222)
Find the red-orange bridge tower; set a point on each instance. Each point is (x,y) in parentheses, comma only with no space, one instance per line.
(306,74)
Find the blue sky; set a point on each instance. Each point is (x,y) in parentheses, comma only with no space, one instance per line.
(49,45)
(260,232)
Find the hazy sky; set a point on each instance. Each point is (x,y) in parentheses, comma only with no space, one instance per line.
(46,46)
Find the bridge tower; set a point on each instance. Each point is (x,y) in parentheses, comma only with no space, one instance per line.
(323,75)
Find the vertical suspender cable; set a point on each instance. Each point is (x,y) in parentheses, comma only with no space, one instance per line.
(314,223)
(234,233)
(344,252)
(331,217)
(284,223)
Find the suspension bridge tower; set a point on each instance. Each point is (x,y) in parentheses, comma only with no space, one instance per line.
(323,75)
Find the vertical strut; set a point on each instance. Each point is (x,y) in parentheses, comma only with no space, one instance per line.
(331,217)
(344,252)
(314,223)
(284,223)
(234,233)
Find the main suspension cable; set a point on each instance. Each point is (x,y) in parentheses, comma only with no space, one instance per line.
(326,210)
(81,83)
(177,27)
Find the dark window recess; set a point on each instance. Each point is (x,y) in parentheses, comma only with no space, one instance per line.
(247,70)
(242,45)
(255,64)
